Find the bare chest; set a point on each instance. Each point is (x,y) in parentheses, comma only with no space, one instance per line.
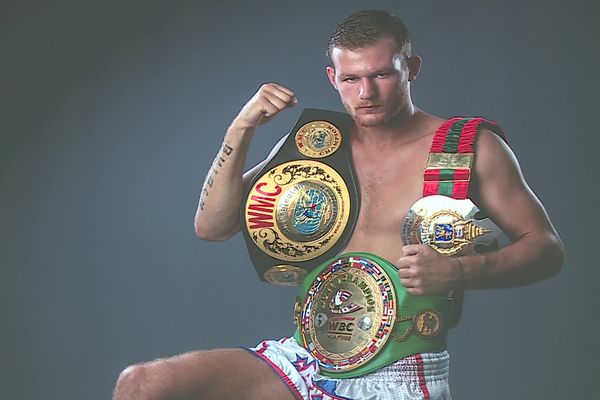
(387,192)
(388,185)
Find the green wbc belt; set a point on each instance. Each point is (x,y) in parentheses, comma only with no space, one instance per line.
(354,316)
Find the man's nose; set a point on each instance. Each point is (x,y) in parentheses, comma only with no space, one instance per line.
(367,89)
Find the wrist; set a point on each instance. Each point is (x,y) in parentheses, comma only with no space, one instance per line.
(460,270)
(241,126)
(237,134)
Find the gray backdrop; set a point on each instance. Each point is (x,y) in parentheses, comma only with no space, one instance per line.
(111,113)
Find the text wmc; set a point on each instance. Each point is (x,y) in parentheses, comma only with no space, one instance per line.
(261,207)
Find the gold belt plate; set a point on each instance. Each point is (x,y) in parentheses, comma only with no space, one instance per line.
(447,225)
(297,210)
(348,313)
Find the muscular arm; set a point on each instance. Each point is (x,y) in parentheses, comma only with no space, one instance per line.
(217,216)
(218,206)
(498,188)
(537,251)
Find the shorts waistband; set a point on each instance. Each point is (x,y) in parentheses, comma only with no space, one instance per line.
(433,366)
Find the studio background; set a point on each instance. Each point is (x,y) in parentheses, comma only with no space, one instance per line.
(112,112)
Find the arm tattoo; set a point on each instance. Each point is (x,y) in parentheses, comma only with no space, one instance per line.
(210,180)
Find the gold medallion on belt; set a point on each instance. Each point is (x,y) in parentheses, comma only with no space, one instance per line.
(318,139)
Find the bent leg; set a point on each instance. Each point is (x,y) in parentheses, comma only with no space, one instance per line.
(213,374)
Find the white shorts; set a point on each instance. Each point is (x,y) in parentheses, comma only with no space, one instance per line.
(420,376)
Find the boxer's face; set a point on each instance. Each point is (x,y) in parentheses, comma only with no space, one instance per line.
(373,82)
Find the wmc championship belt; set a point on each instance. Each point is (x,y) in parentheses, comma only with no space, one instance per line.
(353,314)
(302,206)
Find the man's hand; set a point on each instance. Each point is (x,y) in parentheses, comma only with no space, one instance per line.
(424,271)
(268,101)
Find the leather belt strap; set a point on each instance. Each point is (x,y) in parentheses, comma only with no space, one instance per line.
(448,170)
(451,156)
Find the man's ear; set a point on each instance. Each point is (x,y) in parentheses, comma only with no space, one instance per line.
(331,75)
(414,66)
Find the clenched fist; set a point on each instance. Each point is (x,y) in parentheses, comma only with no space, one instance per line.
(424,271)
(268,101)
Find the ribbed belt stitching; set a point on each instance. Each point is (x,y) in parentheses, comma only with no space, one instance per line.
(455,136)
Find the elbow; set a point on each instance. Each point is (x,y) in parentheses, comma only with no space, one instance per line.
(555,256)
(213,234)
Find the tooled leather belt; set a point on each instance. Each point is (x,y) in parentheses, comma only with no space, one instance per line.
(302,206)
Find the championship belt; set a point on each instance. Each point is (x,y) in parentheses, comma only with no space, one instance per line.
(354,316)
(302,206)
(445,218)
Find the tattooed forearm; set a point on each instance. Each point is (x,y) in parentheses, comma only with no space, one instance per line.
(214,170)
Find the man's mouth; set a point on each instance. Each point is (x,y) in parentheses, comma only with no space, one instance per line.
(368,107)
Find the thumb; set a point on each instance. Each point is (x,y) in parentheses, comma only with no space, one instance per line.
(414,249)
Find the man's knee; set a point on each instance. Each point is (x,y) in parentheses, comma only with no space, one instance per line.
(140,381)
(216,374)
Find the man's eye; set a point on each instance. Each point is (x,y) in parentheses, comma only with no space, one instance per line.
(383,75)
(349,79)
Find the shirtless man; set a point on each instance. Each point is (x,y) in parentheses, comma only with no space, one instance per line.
(372,69)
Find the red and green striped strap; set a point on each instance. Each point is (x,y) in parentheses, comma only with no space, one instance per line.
(448,171)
